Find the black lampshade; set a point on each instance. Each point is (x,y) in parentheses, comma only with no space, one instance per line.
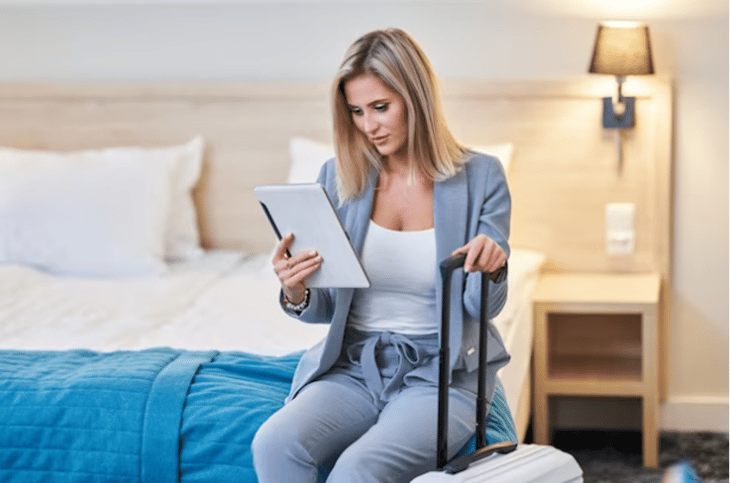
(622,48)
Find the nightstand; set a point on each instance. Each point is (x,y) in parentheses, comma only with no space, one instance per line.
(597,335)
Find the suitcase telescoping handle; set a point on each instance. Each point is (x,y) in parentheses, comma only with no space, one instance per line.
(482,450)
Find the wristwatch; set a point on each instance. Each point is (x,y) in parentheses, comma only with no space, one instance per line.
(296,308)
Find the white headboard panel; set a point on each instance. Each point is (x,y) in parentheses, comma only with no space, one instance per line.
(565,168)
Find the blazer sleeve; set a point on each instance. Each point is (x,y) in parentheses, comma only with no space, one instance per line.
(494,222)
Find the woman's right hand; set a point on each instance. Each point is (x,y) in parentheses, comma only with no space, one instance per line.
(292,271)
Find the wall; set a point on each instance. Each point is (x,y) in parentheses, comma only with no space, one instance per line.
(540,39)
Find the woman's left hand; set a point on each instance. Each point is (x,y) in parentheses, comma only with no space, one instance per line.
(482,254)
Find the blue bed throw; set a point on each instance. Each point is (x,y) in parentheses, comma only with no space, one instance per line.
(152,416)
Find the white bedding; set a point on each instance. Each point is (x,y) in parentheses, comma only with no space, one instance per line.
(223,301)
(41,311)
(515,322)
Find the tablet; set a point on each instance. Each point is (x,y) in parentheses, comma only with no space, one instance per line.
(306,210)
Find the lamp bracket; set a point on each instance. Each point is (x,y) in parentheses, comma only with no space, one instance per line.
(614,120)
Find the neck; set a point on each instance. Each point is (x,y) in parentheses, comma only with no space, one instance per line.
(396,166)
(395,171)
(397,174)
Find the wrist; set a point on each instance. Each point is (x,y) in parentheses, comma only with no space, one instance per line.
(296,308)
(295,298)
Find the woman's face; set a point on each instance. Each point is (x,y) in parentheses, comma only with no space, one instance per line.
(379,113)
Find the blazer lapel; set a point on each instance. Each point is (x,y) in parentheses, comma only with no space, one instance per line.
(356,222)
(450,213)
(357,225)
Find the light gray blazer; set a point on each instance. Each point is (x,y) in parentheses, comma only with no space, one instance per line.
(476,200)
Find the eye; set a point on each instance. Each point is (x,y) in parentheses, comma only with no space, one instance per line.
(355,111)
(381,107)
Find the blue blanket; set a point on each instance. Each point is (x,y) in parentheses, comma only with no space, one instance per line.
(152,416)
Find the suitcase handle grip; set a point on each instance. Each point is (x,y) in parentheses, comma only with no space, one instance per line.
(453,262)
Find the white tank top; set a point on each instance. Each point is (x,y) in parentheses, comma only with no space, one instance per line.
(402,293)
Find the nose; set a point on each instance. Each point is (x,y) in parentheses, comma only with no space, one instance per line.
(369,123)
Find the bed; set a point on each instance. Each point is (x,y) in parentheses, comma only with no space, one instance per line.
(176,288)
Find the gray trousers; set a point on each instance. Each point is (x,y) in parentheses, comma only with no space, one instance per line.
(371,418)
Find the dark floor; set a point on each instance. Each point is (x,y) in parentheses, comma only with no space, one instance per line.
(615,456)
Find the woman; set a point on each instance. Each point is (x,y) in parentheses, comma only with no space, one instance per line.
(365,398)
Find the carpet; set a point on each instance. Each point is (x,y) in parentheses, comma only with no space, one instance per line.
(615,456)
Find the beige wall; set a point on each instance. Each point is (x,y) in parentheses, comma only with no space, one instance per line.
(697,56)
(485,39)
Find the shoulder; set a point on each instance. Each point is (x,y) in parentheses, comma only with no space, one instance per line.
(328,178)
(328,173)
(328,170)
(482,163)
(483,169)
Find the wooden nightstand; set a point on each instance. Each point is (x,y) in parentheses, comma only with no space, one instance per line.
(598,335)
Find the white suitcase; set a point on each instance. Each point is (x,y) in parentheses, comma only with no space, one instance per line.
(498,463)
(529,463)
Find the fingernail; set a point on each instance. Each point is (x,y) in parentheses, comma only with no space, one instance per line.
(313,252)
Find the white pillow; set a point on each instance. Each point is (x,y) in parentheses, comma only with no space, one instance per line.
(182,237)
(307,157)
(183,163)
(502,151)
(95,219)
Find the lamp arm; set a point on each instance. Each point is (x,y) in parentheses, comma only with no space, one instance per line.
(620,79)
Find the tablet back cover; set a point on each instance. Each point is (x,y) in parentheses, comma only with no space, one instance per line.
(306,210)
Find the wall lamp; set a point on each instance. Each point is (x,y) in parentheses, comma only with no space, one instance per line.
(621,49)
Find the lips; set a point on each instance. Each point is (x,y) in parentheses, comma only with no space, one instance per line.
(379,140)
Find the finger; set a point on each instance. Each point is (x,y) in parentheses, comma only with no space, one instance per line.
(493,258)
(472,257)
(297,273)
(294,263)
(484,261)
(485,257)
(280,266)
(302,257)
(283,247)
(486,253)
(301,276)
(289,267)
(306,267)
(462,249)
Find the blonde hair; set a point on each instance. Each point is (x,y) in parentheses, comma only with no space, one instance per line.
(396,59)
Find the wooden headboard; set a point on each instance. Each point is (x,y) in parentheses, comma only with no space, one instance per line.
(564,171)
